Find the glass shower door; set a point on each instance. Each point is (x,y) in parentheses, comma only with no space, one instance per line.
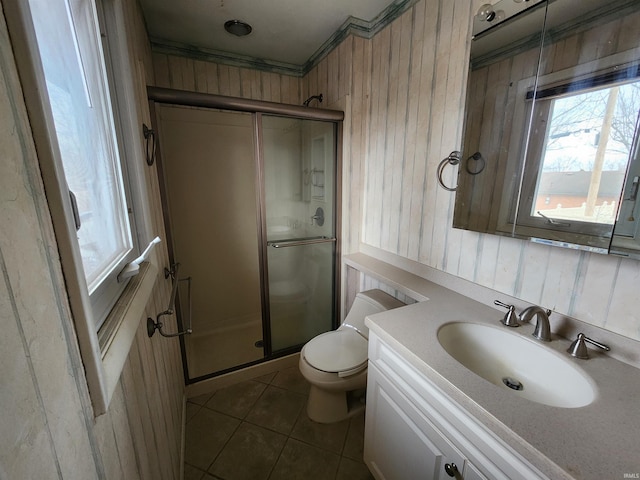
(299,161)
(209,173)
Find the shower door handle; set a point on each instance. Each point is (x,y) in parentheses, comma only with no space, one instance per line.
(294,242)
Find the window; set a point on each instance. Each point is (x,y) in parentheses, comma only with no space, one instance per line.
(86,100)
(581,141)
(69,42)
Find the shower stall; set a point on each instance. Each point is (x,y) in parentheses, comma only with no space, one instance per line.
(250,203)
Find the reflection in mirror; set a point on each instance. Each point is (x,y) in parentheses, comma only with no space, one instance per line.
(583,126)
(583,136)
(580,142)
(557,126)
(626,235)
(584,154)
(501,57)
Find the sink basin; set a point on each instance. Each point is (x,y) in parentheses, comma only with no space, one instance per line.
(518,364)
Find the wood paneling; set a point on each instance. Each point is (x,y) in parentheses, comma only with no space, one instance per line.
(408,88)
(47,423)
(184,73)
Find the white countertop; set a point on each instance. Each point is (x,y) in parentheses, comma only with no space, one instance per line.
(600,441)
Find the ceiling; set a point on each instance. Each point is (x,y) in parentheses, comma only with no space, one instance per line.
(287,34)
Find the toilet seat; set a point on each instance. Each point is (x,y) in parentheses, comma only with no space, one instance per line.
(342,351)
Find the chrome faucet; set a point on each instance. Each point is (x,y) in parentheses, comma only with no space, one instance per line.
(578,348)
(511,317)
(543,330)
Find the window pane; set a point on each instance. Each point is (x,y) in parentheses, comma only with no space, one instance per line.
(588,143)
(69,43)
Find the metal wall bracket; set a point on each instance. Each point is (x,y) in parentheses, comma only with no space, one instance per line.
(152,325)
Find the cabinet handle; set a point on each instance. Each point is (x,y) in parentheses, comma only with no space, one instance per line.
(451,469)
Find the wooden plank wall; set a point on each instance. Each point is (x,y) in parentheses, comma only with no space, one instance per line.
(193,75)
(491,106)
(407,87)
(47,423)
(490,116)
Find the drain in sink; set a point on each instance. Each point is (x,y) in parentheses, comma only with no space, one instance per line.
(512,383)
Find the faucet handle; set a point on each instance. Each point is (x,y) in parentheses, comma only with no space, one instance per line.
(579,349)
(511,317)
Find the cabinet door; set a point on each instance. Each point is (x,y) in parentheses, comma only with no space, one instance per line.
(472,473)
(400,443)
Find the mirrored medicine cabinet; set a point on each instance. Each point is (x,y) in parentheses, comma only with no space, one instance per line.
(551,139)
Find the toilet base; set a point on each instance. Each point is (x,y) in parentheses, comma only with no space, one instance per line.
(326,406)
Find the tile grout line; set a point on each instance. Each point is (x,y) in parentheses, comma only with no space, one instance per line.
(242,420)
(288,436)
(223,446)
(273,467)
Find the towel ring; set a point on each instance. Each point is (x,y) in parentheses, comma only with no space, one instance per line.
(452,159)
(150,137)
(477,157)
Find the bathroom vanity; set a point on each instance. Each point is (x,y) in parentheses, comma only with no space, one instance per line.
(413,428)
(428,416)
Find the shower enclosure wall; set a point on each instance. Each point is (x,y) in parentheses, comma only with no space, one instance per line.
(250,200)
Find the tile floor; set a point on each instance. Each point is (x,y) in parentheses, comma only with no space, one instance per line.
(259,429)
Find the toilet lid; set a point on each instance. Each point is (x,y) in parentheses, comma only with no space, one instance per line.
(338,351)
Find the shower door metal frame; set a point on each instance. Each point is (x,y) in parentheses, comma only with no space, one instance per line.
(257,108)
(337,218)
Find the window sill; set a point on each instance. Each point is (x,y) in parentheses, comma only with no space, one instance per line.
(119,330)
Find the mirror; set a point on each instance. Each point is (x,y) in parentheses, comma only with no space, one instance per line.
(550,149)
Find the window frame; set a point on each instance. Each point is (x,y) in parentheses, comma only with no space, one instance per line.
(530,183)
(512,214)
(543,110)
(102,366)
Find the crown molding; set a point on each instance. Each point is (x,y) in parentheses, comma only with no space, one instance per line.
(226,58)
(352,26)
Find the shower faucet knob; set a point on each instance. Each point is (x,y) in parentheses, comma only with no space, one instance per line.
(318,217)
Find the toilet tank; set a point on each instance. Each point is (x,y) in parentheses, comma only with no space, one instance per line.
(368,303)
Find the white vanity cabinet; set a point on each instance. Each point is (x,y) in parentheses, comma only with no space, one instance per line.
(400,441)
(415,431)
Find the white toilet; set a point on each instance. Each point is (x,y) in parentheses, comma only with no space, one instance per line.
(335,363)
